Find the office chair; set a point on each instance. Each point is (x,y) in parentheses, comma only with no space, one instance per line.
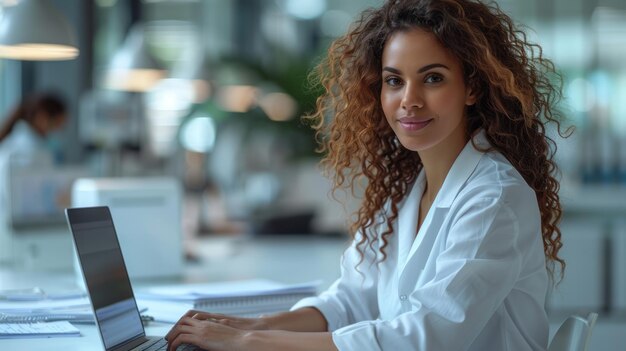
(574,333)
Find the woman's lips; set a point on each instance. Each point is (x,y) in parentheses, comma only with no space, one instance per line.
(413,124)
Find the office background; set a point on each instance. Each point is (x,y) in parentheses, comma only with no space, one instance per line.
(218,113)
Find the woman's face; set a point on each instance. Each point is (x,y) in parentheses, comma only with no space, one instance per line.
(43,123)
(423,92)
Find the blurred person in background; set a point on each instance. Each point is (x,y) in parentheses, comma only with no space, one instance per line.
(441,105)
(25,137)
(31,121)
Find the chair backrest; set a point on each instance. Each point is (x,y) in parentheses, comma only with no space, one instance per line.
(574,334)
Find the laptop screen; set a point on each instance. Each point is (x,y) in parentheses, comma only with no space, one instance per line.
(105,275)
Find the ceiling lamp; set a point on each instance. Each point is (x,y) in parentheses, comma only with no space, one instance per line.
(133,68)
(35,30)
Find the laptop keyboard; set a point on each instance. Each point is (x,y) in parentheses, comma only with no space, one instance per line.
(161,344)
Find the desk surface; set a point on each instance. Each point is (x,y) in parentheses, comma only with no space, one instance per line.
(89,340)
(287,259)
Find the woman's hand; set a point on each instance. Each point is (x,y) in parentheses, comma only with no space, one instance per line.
(207,334)
(231,321)
(217,332)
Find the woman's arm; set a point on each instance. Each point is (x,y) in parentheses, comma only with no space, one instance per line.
(214,335)
(306,319)
(271,340)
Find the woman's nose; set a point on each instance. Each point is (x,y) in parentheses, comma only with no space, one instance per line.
(412,98)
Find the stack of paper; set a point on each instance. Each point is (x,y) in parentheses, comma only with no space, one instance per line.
(37,330)
(239,298)
(75,309)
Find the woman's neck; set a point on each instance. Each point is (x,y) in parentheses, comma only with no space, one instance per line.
(438,160)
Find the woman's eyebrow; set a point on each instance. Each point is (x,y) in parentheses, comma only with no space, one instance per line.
(421,70)
(431,66)
(392,70)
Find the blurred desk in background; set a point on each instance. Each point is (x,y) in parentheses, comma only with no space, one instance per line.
(593,229)
(284,258)
(287,259)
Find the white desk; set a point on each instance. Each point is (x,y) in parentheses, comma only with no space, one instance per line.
(89,340)
(288,259)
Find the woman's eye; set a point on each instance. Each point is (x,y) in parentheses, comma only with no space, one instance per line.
(433,78)
(393,81)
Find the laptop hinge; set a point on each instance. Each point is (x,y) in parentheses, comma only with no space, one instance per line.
(131,344)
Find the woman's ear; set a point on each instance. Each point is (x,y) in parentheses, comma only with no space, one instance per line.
(470,88)
(470,97)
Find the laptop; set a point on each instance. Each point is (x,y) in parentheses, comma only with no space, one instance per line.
(107,282)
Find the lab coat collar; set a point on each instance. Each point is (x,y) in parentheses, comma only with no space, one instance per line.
(461,170)
(459,173)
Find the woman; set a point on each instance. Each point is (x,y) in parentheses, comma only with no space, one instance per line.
(23,142)
(440,107)
(42,113)
(25,129)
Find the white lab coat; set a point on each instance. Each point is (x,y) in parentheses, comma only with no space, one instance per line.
(473,278)
(20,148)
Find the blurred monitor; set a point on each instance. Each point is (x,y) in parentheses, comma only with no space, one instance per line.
(38,193)
(110,119)
(148,216)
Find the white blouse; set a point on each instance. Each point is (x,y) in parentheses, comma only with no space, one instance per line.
(474,277)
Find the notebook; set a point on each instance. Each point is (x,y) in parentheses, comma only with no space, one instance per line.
(244,298)
(106,278)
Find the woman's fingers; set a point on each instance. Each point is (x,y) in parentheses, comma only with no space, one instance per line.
(188,325)
(231,321)
(185,339)
(204,334)
(193,322)
(192,316)
(212,316)
(179,330)
(188,314)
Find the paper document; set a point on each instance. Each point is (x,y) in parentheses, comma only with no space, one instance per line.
(76,309)
(37,330)
(37,294)
(75,316)
(255,287)
(47,304)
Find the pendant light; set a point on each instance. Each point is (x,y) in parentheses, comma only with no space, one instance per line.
(133,69)
(34,30)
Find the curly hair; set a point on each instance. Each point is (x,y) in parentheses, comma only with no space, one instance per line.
(517,92)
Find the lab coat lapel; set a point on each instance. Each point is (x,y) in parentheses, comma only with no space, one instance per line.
(461,170)
(425,237)
(407,219)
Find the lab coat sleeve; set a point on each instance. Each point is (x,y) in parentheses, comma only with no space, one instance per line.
(352,297)
(475,271)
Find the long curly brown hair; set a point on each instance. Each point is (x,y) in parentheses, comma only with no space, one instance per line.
(517,92)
